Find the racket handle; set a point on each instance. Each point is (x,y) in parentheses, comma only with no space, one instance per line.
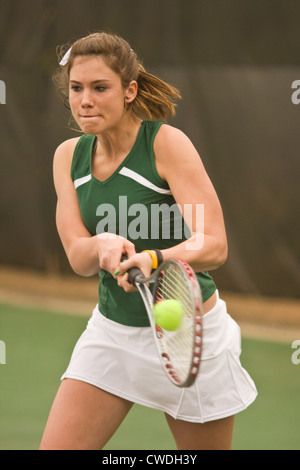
(133,273)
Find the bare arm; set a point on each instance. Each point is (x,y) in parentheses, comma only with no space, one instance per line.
(87,254)
(180,165)
(178,162)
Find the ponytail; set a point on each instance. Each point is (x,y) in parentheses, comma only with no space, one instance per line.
(155,97)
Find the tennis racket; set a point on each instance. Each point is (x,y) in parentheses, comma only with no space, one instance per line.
(179,350)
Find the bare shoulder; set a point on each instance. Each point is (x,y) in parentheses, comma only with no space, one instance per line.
(66,149)
(168,135)
(172,144)
(62,163)
(172,141)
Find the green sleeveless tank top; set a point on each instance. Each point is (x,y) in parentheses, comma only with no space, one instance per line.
(136,203)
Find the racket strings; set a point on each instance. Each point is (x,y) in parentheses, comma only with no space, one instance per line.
(178,344)
(173,285)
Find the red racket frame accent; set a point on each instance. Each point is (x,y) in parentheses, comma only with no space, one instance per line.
(197,347)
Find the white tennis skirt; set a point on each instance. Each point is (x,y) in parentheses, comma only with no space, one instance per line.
(124,361)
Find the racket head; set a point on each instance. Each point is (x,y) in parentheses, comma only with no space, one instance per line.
(180,350)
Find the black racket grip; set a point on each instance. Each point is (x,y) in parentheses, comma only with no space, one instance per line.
(133,273)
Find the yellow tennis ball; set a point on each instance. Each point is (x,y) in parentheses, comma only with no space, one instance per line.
(168,314)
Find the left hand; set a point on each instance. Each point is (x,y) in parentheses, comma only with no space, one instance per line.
(143,261)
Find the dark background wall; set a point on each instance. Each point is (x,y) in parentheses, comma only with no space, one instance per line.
(234,62)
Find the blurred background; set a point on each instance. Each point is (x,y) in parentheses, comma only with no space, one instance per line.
(234,62)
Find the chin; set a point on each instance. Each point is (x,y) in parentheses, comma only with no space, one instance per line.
(89,128)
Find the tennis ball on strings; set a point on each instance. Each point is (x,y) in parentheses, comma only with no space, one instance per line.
(168,314)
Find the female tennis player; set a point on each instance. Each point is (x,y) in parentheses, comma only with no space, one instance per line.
(118,186)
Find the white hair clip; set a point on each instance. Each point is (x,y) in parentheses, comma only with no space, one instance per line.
(66,57)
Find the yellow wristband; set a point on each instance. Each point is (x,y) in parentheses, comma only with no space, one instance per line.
(153,255)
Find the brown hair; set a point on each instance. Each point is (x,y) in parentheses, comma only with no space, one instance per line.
(155,97)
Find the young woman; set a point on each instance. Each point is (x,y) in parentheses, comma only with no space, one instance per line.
(128,162)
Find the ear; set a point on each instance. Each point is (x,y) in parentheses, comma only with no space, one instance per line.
(131,92)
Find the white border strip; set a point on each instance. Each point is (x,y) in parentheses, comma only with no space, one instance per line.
(143,181)
(82,180)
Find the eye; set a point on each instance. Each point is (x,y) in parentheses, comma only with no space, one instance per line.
(100,89)
(75,88)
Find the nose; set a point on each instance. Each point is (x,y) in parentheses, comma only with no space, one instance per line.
(87,100)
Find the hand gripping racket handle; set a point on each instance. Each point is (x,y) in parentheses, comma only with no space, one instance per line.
(133,273)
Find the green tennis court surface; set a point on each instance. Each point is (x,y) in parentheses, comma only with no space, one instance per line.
(38,346)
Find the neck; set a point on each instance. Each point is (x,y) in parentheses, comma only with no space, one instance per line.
(118,141)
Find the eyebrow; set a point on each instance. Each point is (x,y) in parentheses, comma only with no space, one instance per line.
(92,83)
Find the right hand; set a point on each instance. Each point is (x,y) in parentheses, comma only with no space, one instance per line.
(111,247)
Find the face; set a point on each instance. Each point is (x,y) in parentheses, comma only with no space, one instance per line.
(96,95)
